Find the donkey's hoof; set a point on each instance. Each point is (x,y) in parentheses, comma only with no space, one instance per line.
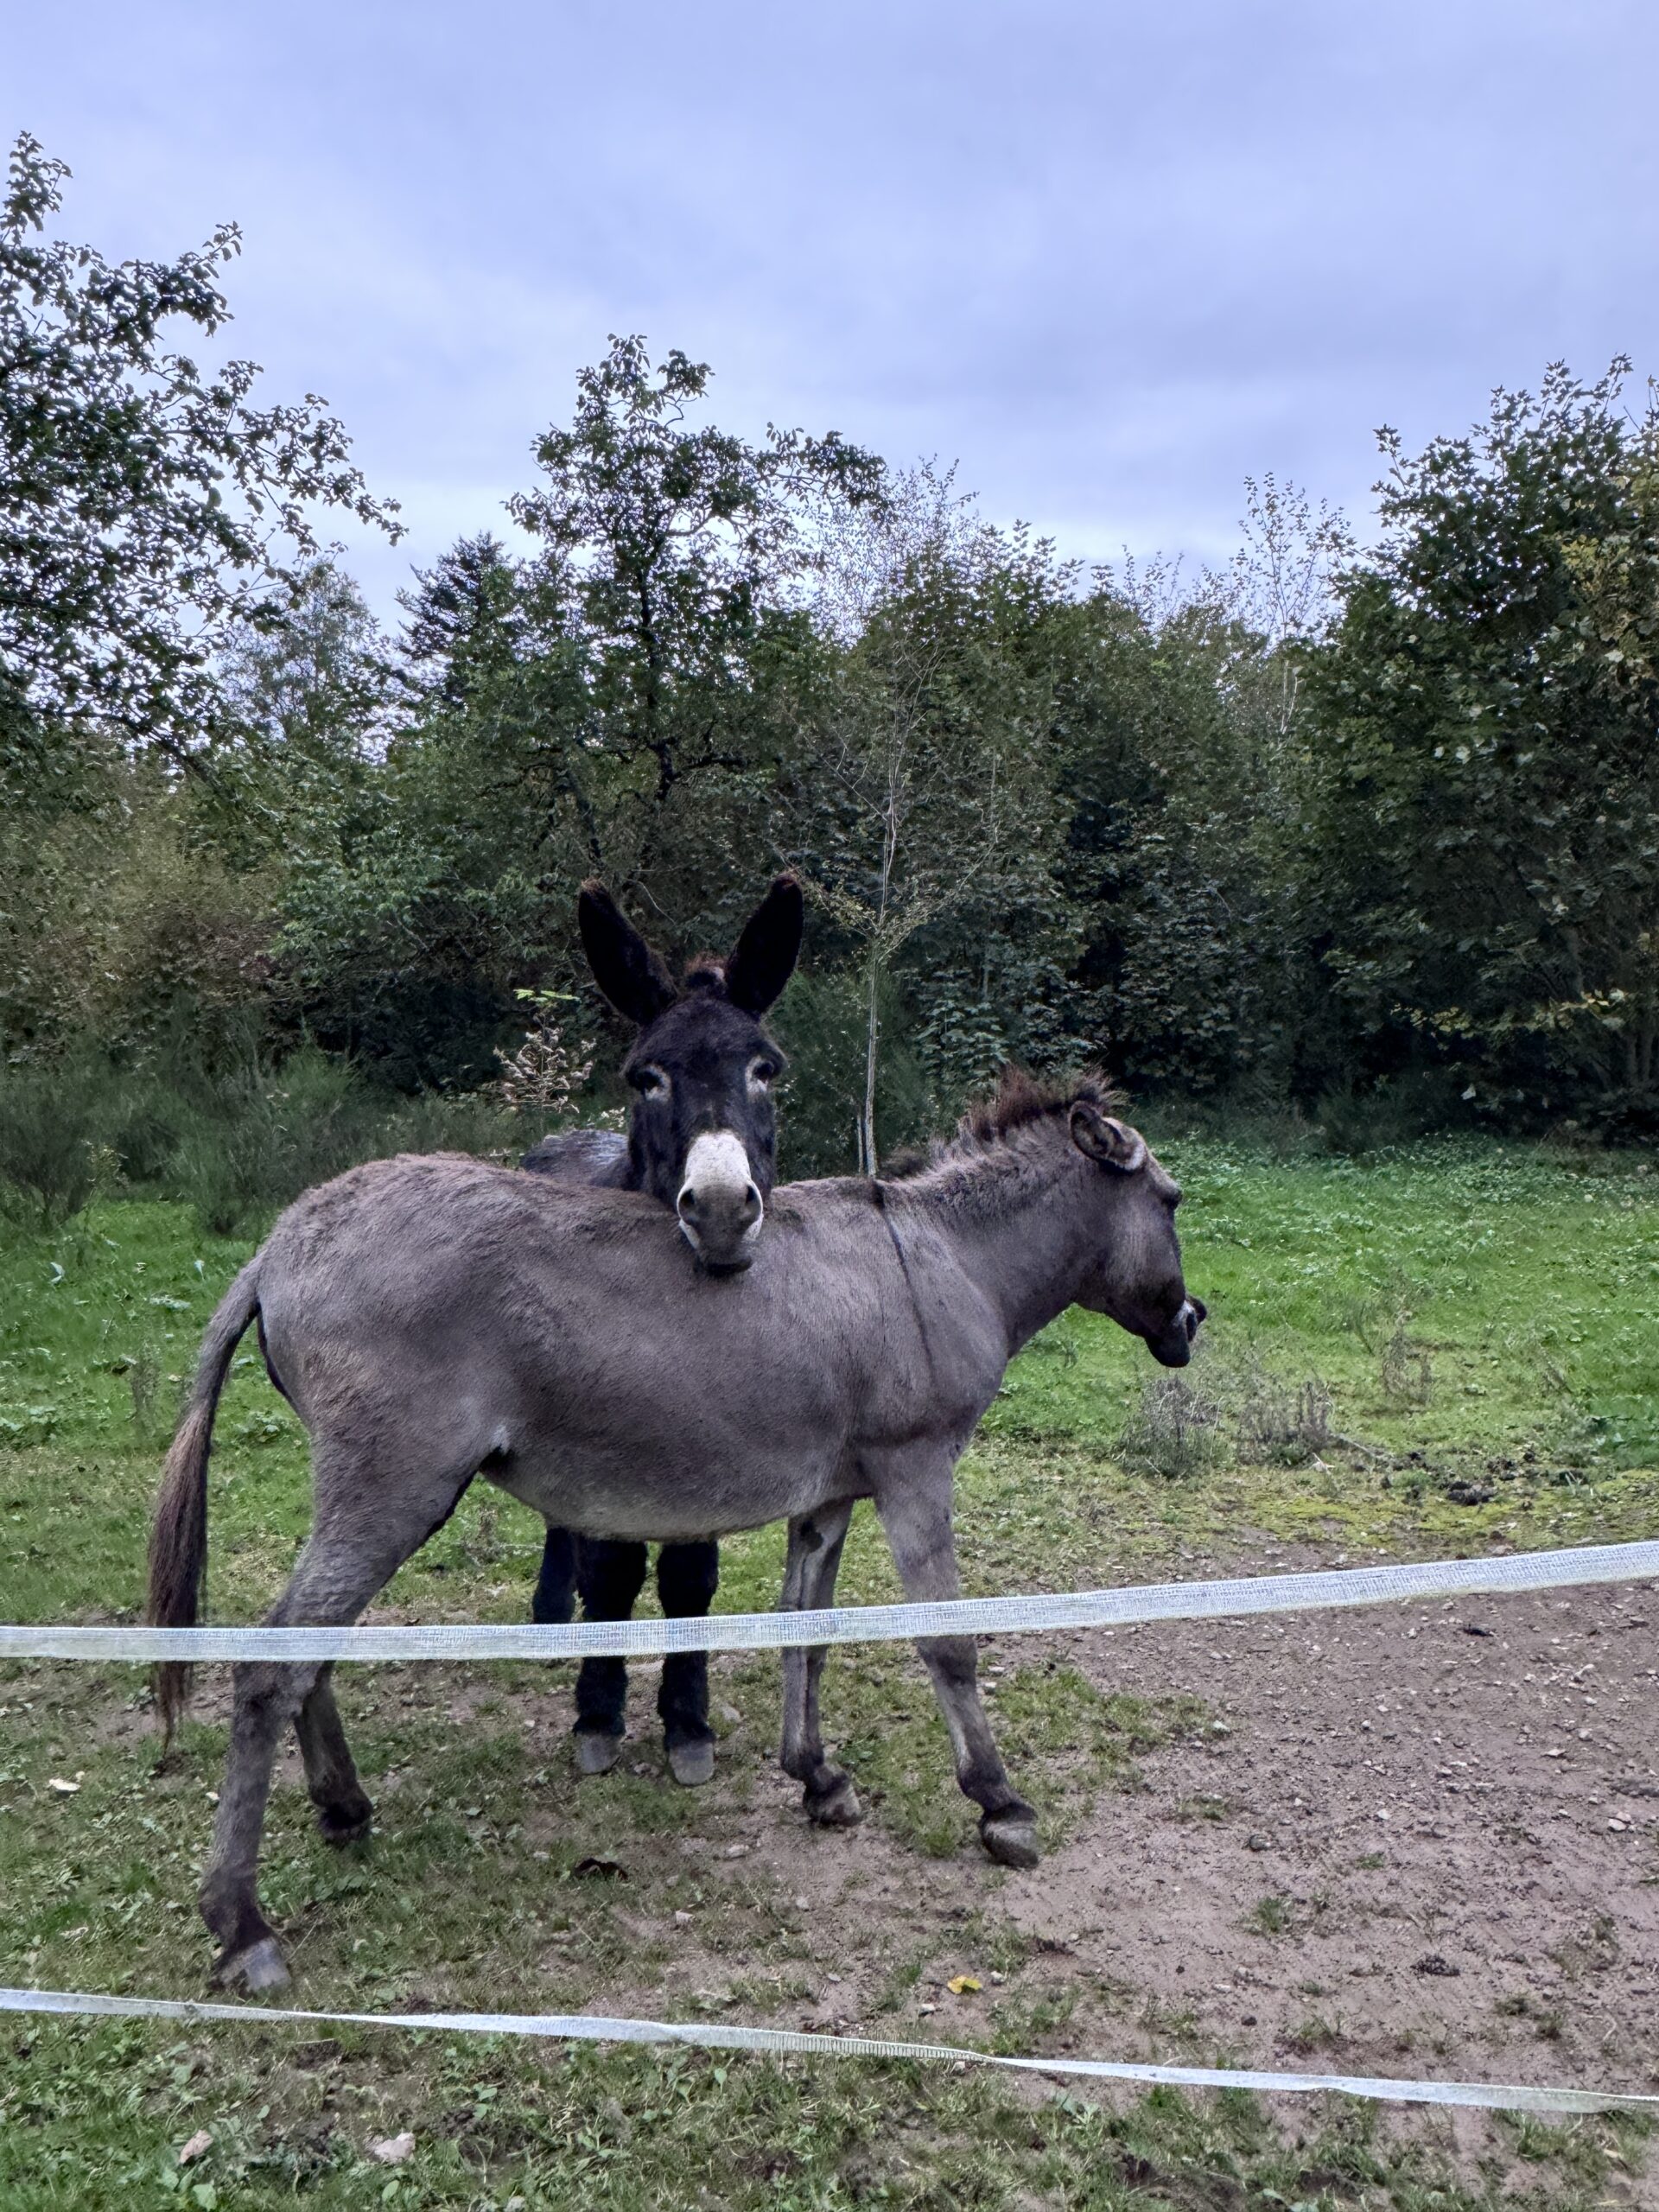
(1011,1838)
(837,1807)
(691,1762)
(597,1752)
(256,1970)
(345,1823)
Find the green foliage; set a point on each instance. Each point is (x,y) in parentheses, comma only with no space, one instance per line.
(1487,722)
(822,1025)
(1363,844)
(260,1136)
(238,1139)
(670,556)
(48,1165)
(147,502)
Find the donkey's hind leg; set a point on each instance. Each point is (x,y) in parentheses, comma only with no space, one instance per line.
(346,1560)
(815,1542)
(344,1813)
(915,1510)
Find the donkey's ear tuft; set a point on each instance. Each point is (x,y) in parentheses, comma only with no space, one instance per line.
(764,958)
(633,977)
(1113,1144)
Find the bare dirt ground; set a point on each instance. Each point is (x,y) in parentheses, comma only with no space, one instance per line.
(1430,1845)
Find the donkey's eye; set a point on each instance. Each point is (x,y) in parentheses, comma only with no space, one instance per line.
(649,1082)
(763,1073)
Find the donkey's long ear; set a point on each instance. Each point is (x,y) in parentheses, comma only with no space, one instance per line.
(633,977)
(1114,1144)
(764,959)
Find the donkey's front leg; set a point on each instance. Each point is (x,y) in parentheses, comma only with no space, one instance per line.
(914,1503)
(815,1542)
(610,1576)
(687,1576)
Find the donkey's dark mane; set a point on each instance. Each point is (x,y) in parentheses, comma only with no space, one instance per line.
(1021,1098)
(1021,1101)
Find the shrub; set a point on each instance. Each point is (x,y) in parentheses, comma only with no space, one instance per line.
(1279,1423)
(48,1133)
(1175,1430)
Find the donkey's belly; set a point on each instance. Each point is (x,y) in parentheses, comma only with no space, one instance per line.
(598,1494)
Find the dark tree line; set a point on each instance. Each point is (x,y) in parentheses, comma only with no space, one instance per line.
(1347,832)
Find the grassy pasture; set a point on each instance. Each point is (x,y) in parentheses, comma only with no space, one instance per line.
(1435,1349)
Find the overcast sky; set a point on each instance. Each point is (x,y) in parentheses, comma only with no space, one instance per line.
(1111,258)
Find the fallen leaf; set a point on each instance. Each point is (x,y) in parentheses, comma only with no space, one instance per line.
(393,2150)
(599,1870)
(962,1985)
(64,1788)
(198,2147)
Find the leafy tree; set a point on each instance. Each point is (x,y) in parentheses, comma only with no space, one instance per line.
(922,799)
(670,554)
(304,715)
(146,505)
(1153,764)
(617,703)
(1488,726)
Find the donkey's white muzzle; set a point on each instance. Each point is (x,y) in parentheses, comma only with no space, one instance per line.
(720,1208)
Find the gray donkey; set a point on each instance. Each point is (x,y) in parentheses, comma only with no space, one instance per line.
(433,1318)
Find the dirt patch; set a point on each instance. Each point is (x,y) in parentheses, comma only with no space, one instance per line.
(1429,1841)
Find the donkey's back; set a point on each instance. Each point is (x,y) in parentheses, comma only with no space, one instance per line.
(442,1310)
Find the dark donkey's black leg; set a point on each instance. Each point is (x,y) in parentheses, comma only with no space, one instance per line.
(610,1576)
(555,1601)
(687,1576)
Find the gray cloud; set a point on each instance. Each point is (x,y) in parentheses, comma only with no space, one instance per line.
(1112,258)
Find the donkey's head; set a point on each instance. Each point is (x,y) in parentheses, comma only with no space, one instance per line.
(1138,1280)
(702,1134)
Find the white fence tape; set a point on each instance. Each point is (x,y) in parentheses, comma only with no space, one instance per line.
(583,2027)
(1276,1593)
(1156,1601)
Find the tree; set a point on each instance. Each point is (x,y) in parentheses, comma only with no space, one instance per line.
(147,507)
(467,621)
(1159,768)
(923,795)
(1488,723)
(303,712)
(671,553)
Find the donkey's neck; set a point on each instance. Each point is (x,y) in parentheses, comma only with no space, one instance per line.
(1019,1217)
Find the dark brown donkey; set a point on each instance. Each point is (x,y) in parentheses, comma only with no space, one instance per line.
(703,1138)
(433,1319)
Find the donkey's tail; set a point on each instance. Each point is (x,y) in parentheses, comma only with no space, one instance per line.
(178,1540)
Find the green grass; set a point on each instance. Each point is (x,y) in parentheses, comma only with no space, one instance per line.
(1480,1319)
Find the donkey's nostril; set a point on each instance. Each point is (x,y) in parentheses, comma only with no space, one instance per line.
(751,1203)
(686,1202)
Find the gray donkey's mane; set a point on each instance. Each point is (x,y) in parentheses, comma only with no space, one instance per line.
(986,1146)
